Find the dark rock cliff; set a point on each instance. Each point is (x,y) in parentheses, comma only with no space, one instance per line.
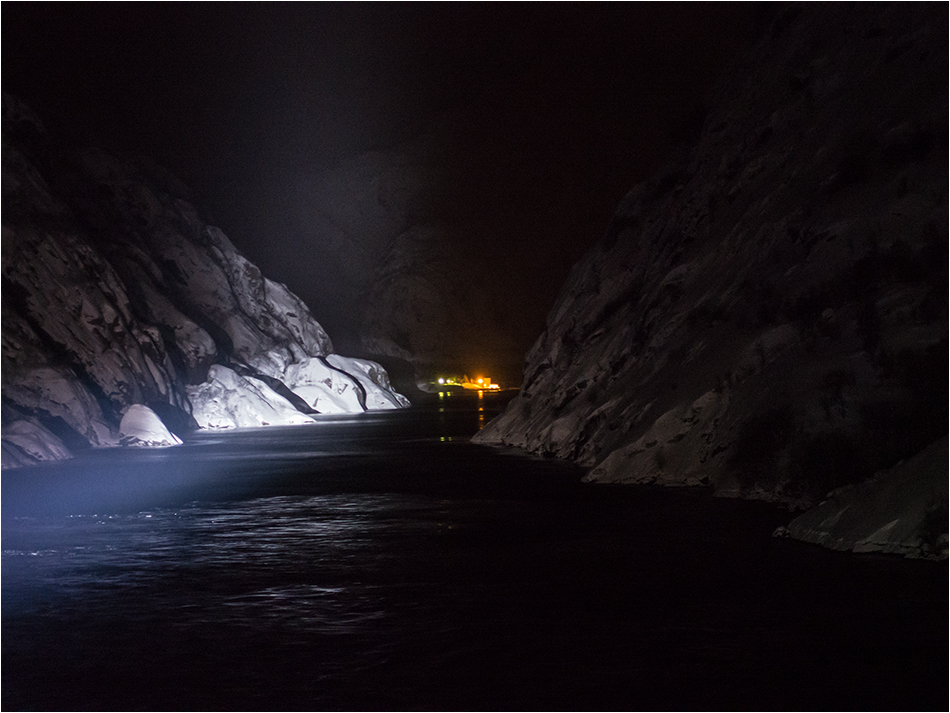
(407,258)
(768,316)
(116,292)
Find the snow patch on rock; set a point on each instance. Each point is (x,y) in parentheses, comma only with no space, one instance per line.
(323,388)
(375,381)
(227,400)
(339,384)
(140,426)
(291,312)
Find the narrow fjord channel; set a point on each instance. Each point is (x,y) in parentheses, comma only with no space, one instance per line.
(384,562)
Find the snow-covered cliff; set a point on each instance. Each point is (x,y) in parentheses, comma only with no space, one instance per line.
(118,294)
(769,315)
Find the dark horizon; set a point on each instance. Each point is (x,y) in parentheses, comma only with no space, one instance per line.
(548,115)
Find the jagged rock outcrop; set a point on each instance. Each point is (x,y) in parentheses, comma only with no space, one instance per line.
(901,511)
(769,315)
(118,295)
(27,443)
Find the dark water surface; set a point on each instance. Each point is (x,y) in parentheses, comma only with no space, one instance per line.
(384,562)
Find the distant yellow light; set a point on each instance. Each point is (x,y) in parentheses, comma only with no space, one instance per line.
(480,381)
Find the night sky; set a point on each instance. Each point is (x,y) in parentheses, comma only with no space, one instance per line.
(555,111)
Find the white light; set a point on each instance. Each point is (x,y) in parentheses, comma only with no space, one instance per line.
(441,380)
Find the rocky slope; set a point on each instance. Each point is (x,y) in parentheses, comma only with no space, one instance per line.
(901,511)
(769,315)
(118,294)
(405,261)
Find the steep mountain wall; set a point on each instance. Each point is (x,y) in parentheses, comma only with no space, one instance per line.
(411,257)
(768,316)
(117,293)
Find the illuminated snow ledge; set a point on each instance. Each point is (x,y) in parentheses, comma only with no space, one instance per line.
(329,385)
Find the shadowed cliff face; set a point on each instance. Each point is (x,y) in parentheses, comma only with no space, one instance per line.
(422,252)
(769,314)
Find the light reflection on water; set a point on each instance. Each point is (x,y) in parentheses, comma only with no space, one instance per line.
(310,543)
(376,566)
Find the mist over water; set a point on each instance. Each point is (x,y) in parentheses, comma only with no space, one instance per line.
(384,562)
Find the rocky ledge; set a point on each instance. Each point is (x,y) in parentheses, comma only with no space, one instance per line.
(128,319)
(900,511)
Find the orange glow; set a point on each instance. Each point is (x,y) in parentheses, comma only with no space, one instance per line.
(479,384)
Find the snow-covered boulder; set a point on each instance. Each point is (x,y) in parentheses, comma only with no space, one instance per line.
(140,426)
(325,389)
(374,380)
(27,443)
(227,400)
(338,384)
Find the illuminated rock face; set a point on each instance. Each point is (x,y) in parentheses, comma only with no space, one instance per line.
(227,400)
(26,443)
(117,293)
(769,315)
